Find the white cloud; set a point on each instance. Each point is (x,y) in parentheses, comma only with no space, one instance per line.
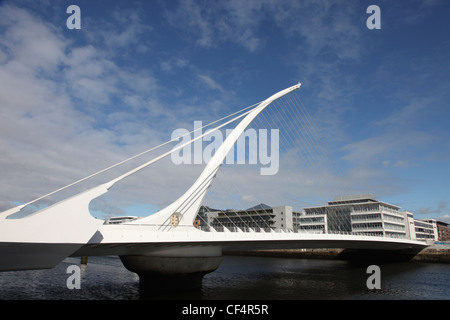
(444,218)
(214,23)
(174,63)
(123,30)
(328,27)
(34,45)
(55,98)
(210,83)
(440,209)
(189,15)
(409,113)
(397,148)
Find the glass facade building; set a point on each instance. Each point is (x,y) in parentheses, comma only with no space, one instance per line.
(360,214)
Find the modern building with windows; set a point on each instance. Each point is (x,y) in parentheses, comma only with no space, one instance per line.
(359,214)
(426,229)
(409,225)
(258,218)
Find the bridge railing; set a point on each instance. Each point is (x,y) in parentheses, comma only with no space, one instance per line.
(248,230)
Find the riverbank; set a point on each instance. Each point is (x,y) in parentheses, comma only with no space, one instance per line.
(434,253)
(439,253)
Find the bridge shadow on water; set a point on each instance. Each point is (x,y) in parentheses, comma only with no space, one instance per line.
(375,256)
(273,278)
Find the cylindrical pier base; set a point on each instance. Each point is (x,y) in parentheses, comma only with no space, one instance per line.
(170,273)
(174,269)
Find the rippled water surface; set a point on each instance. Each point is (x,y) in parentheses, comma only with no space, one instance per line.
(238,278)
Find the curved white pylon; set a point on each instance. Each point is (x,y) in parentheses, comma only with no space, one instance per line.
(186,207)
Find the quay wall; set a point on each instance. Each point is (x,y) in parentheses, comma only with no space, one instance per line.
(435,253)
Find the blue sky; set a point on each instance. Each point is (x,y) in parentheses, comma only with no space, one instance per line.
(75,101)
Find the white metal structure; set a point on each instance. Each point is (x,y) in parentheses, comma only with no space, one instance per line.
(67,228)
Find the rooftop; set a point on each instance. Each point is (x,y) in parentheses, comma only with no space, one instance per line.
(354,197)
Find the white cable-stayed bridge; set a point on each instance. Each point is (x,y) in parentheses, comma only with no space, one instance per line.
(166,244)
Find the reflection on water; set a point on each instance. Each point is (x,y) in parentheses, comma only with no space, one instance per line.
(238,278)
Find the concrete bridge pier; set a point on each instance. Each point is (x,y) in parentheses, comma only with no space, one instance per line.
(174,268)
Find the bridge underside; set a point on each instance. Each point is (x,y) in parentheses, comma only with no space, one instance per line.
(25,256)
(162,247)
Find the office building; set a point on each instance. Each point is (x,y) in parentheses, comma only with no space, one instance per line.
(426,229)
(360,214)
(258,218)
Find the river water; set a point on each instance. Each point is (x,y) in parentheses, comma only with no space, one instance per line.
(254,278)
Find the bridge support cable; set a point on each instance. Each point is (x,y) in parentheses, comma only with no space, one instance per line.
(255,219)
(335,175)
(216,161)
(308,173)
(248,219)
(319,158)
